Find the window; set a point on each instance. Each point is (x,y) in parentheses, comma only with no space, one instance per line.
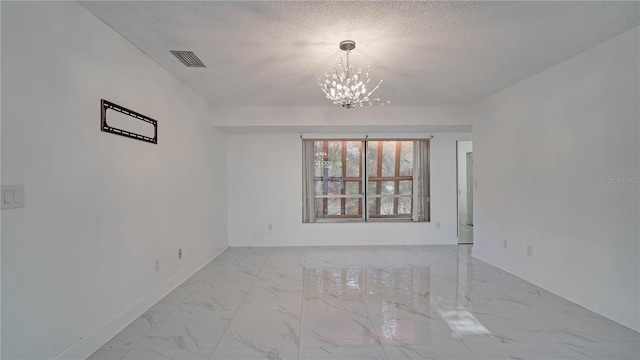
(365,180)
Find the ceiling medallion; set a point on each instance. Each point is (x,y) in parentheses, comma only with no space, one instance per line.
(345,87)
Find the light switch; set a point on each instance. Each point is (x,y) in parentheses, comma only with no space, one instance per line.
(12,196)
(7,196)
(17,196)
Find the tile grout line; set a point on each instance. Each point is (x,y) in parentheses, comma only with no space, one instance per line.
(304,282)
(238,308)
(147,333)
(225,329)
(127,351)
(175,308)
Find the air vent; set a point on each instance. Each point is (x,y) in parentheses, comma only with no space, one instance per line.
(188,58)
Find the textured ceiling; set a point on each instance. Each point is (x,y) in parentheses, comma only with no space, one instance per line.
(271,53)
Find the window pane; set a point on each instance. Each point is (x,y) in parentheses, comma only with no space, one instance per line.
(329,186)
(372,158)
(333,207)
(386,206)
(388,158)
(387,187)
(335,187)
(333,169)
(380,206)
(406,187)
(394,207)
(406,158)
(371,206)
(405,205)
(354,157)
(373,188)
(338,207)
(353,187)
(353,207)
(335,153)
(328,159)
(320,156)
(319,205)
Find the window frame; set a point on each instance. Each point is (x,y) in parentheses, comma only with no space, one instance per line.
(420,177)
(343,196)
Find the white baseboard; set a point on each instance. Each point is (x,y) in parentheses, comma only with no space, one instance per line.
(87,345)
(620,314)
(336,241)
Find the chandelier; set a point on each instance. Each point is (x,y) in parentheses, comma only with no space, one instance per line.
(348,88)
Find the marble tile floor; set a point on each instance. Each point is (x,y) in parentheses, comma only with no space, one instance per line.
(383,302)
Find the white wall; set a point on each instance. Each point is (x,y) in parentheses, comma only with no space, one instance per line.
(388,118)
(265,187)
(78,260)
(463,148)
(544,152)
(0,177)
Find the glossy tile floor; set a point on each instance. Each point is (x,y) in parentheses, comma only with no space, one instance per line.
(395,302)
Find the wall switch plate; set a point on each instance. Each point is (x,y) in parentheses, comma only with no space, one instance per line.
(438,225)
(505,243)
(270,227)
(530,250)
(12,196)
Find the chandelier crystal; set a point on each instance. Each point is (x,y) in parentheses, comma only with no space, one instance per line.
(345,87)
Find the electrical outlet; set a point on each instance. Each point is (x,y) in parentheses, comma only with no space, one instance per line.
(180,253)
(270,227)
(530,250)
(505,243)
(157,265)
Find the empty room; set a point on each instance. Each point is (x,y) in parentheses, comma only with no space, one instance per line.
(320,180)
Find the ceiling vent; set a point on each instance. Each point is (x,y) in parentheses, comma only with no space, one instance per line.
(188,58)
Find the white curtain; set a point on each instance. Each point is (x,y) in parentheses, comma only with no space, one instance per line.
(308,184)
(421,180)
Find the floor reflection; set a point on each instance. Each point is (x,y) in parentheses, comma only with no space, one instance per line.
(462,322)
(394,301)
(385,302)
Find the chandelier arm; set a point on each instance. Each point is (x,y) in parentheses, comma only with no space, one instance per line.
(375,88)
(372,91)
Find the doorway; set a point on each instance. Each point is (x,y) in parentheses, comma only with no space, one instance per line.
(465,191)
